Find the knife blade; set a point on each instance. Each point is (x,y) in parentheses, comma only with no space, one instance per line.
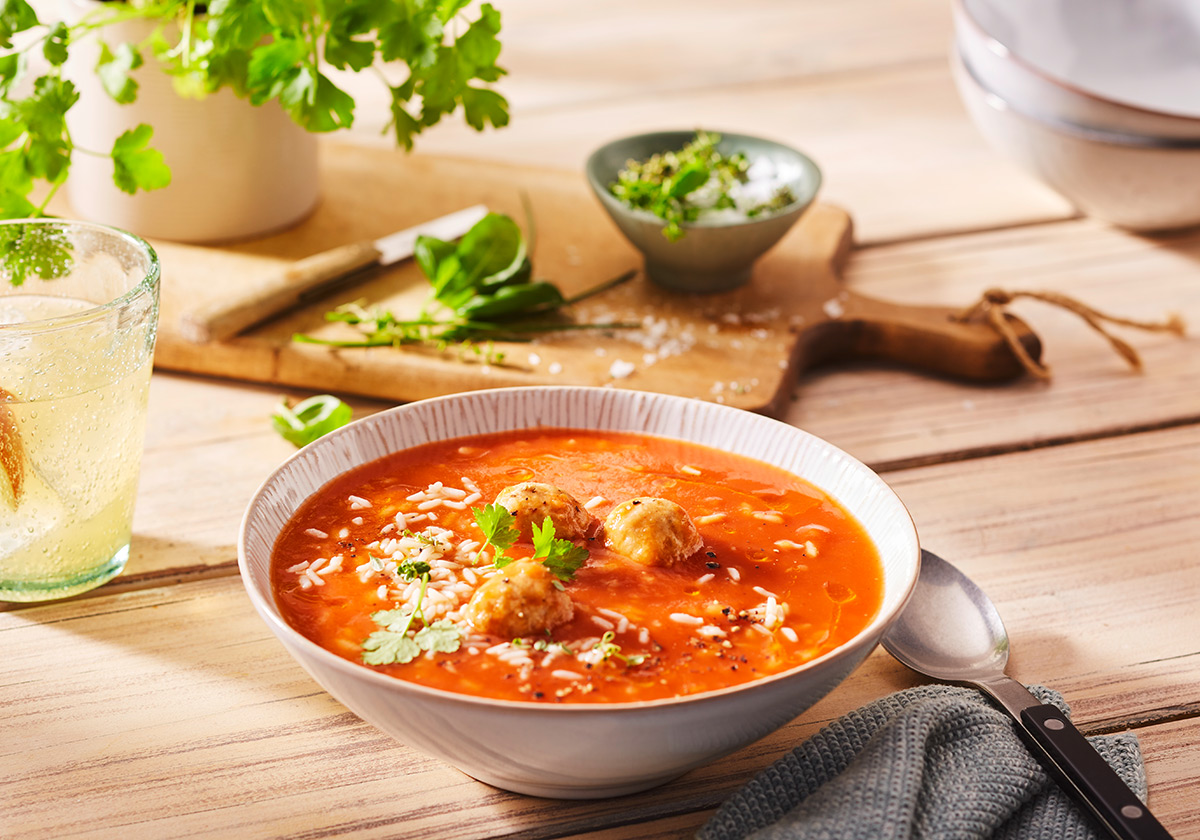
(315,275)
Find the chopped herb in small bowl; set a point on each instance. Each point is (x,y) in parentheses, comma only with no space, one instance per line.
(700,182)
(702,207)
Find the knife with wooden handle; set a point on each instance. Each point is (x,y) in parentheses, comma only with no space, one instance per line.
(306,278)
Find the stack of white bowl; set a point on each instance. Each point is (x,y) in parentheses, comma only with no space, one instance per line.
(1098,98)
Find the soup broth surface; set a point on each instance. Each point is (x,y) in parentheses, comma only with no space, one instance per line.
(784,573)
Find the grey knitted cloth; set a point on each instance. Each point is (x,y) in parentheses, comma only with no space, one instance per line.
(931,762)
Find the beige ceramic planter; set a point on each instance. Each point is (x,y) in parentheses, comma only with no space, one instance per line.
(237,171)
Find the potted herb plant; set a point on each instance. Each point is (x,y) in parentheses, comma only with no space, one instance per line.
(233,93)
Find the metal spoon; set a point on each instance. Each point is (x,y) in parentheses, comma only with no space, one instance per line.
(951,631)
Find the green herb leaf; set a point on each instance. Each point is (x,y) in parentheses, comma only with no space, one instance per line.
(33,251)
(114,71)
(497,525)
(309,419)
(443,636)
(55,46)
(609,649)
(383,647)
(397,621)
(482,106)
(413,569)
(562,557)
(135,166)
(10,68)
(15,16)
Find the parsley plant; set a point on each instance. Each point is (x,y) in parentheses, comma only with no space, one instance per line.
(433,56)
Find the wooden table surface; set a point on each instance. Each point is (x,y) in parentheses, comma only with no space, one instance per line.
(161,706)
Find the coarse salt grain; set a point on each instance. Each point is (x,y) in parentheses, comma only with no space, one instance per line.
(555,368)
(621,369)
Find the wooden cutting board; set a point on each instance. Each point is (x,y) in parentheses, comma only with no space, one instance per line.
(742,348)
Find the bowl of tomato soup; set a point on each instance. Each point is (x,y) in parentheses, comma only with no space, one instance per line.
(576,592)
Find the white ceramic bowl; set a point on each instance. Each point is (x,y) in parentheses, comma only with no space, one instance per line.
(579,751)
(1028,55)
(1135,182)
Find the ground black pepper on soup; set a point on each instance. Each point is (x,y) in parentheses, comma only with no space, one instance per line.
(574,566)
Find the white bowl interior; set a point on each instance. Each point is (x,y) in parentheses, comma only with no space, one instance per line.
(1142,53)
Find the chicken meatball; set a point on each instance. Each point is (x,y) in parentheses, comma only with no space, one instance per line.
(531,502)
(520,600)
(653,532)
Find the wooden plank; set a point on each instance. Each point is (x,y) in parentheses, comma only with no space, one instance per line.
(896,146)
(563,55)
(895,417)
(211,729)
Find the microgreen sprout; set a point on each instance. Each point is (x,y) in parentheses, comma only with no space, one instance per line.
(609,649)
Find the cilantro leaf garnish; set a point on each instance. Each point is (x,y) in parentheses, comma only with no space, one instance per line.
(443,636)
(498,529)
(395,644)
(562,557)
(383,647)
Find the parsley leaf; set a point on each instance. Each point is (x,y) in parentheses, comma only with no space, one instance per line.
(384,647)
(443,636)
(15,16)
(498,531)
(114,71)
(134,165)
(562,557)
(33,250)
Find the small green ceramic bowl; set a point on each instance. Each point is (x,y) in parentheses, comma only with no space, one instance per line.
(713,255)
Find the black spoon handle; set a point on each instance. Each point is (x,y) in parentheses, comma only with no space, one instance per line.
(1079,767)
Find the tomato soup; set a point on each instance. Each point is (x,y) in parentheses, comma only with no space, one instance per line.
(381,565)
